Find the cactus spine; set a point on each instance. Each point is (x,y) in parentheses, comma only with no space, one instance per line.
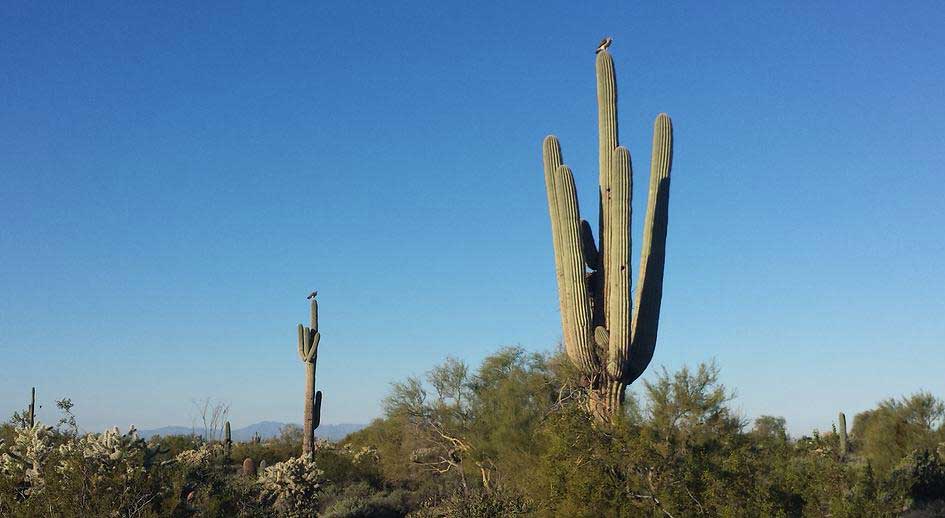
(308,353)
(603,336)
(227,440)
(842,432)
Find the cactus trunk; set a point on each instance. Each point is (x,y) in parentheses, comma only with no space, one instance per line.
(610,339)
(308,440)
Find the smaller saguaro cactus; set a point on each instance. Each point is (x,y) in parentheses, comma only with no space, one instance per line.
(227,439)
(308,353)
(249,467)
(32,412)
(842,433)
(256,438)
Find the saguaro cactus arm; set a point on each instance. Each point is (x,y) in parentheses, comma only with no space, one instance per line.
(653,255)
(308,343)
(317,417)
(576,303)
(617,263)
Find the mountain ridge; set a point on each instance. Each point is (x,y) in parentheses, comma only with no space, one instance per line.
(266,430)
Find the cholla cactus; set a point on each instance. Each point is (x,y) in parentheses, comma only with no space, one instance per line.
(365,454)
(200,458)
(603,336)
(102,455)
(293,486)
(25,459)
(108,446)
(308,353)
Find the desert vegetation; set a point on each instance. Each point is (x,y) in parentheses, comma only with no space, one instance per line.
(510,437)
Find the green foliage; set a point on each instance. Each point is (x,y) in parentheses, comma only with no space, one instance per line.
(510,437)
(478,504)
(897,427)
(361,499)
(677,449)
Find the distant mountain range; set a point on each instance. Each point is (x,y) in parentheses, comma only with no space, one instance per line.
(266,430)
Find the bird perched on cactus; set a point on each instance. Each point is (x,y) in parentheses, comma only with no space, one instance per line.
(607,336)
(604,44)
(308,353)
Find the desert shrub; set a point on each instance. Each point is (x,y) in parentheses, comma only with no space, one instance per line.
(361,499)
(476,504)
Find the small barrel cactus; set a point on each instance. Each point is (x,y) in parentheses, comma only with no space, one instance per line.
(249,467)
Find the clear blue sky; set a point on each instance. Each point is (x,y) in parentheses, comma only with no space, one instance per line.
(176,178)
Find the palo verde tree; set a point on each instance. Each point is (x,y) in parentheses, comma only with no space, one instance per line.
(608,338)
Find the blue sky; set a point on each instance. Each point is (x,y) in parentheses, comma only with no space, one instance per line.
(177,177)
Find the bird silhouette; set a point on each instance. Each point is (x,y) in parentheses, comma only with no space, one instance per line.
(312,295)
(604,43)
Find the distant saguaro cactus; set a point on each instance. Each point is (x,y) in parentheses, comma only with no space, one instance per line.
(603,336)
(249,467)
(308,353)
(227,440)
(842,433)
(32,411)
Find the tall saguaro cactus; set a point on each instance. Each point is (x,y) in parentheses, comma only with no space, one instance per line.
(308,353)
(610,339)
